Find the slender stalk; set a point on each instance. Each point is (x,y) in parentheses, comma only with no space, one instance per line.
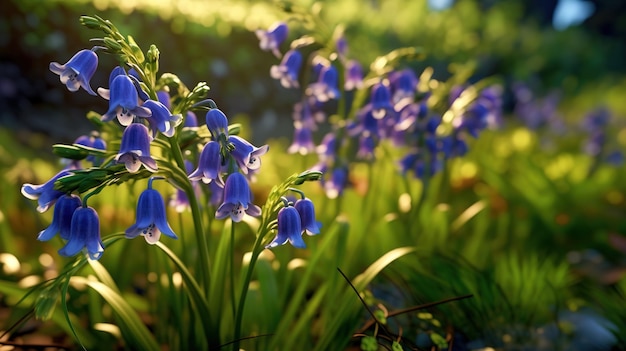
(203,246)
(256,251)
(232,267)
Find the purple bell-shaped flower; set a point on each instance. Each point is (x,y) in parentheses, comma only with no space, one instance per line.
(271,39)
(64,209)
(247,156)
(45,194)
(217,123)
(287,71)
(77,72)
(237,199)
(84,234)
(209,164)
(306,209)
(151,217)
(162,119)
(289,229)
(135,149)
(326,86)
(123,101)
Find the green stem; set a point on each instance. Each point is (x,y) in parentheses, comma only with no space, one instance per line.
(256,251)
(203,246)
(232,266)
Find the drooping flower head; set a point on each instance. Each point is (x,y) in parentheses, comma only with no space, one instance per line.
(164,98)
(287,71)
(45,194)
(326,86)
(162,119)
(302,140)
(289,228)
(403,85)
(271,39)
(306,209)
(381,100)
(62,218)
(78,71)
(248,156)
(84,234)
(217,123)
(191,120)
(123,101)
(236,201)
(151,217)
(135,149)
(209,164)
(354,75)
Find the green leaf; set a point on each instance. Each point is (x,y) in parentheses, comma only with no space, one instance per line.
(135,49)
(135,331)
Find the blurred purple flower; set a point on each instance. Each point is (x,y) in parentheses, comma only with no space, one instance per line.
(271,39)
(288,70)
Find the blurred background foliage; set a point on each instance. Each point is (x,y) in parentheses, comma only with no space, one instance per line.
(513,40)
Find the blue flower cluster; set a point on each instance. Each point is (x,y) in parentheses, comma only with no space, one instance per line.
(395,109)
(225,162)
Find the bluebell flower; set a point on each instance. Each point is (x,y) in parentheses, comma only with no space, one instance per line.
(342,46)
(135,149)
(45,194)
(78,71)
(287,71)
(306,209)
(62,218)
(367,144)
(247,156)
(191,120)
(326,86)
(302,140)
(303,117)
(337,182)
(353,75)
(381,101)
(289,229)
(84,234)
(94,141)
(236,201)
(404,84)
(123,101)
(271,39)
(327,149)
(164,98)
(151,217)
(162,119)
(217,123)
(453,145)
(209,164)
